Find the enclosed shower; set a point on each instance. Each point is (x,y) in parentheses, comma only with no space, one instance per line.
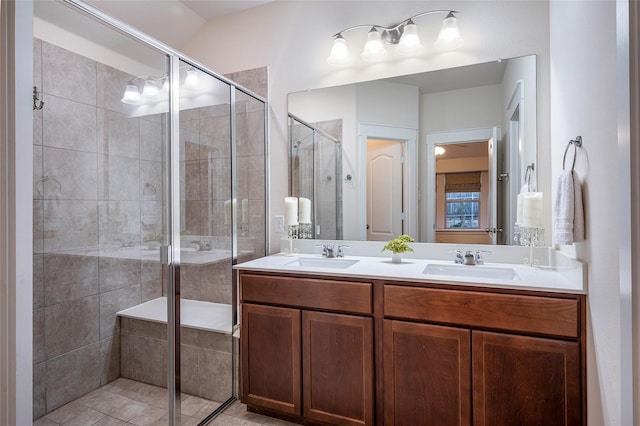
(149,185)
(315,172)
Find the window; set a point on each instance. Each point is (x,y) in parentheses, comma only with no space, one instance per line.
(462,200)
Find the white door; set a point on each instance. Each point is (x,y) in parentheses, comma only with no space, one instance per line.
(384,189)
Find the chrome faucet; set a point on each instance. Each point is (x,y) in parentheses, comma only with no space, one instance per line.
(333,250)
(202,244)
(469,257)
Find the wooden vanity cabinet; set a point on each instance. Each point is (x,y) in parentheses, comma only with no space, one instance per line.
(309,359)
(462,357)
(271,375)
(522,380)
(439,355)
(427,374)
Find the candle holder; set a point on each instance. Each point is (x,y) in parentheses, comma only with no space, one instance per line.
(531,236)
(305,231)
(292,234)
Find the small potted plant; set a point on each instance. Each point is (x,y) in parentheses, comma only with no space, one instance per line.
(397,246)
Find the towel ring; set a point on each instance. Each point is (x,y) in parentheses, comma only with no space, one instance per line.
(577,143)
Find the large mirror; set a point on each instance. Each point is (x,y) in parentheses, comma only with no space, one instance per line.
(439,155)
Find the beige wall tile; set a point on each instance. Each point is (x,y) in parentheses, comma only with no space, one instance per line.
(72,375)
(71,325)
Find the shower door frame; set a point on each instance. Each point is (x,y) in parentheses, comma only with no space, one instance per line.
(170,254)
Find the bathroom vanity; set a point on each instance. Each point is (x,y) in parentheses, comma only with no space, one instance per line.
(367,342)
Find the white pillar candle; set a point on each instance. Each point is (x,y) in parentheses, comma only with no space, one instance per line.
(532,209)
(234,209)
(230,210)
(290,211)
(245,210)
(519,209)
(305,210)
(227,212)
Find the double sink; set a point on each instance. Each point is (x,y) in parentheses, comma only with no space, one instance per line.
(474,271)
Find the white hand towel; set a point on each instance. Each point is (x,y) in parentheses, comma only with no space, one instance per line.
(563,209)
(578,209)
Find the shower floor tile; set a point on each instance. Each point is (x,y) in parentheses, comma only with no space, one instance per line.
(128,402)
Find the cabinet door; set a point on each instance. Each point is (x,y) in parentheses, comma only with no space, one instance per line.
(520,380)
(270,344)
(337,353)
(427,374)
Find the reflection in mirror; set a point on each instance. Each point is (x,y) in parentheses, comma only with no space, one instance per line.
(498,97)
(315,173)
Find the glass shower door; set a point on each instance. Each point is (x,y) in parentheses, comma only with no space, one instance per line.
(208,215)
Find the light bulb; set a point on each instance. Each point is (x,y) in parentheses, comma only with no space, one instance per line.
(449,37)
(192,79)
(410,41)
(150,89)
(339,52)
(131,94)
(373,48)
(439,150)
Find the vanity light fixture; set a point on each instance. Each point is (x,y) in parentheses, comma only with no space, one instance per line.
(403,35)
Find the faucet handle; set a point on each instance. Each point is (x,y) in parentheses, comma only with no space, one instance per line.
(339,252)
(478,257)
(325,249)
(458,253)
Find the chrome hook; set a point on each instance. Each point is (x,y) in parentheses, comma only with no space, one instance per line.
(37,103)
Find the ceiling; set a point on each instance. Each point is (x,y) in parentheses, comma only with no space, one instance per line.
(173,22)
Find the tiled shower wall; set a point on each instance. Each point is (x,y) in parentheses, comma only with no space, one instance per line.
(97,182)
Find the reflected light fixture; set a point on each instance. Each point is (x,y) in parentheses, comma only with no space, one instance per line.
(403,35)
(192,79)
(131,94)
(148,89)
(439,150)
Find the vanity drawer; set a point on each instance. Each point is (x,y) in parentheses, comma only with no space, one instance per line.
(342,296)
(520,313)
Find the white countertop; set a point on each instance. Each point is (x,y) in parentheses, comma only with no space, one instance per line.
(566,276)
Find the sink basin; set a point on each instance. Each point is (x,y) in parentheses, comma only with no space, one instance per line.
(323,262)
(473,271)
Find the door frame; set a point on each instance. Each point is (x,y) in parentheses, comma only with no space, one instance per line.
(409,137)
(451,137)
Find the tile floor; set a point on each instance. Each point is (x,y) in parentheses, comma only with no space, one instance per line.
(128,402)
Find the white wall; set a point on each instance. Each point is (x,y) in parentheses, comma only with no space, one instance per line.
(521,70)
(462,109)
(294,38)
(583,102)
(16,274)
(387,103)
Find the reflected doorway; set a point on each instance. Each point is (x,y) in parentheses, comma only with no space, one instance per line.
(385,189)
(393,154)
(471,171)
(462,193)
